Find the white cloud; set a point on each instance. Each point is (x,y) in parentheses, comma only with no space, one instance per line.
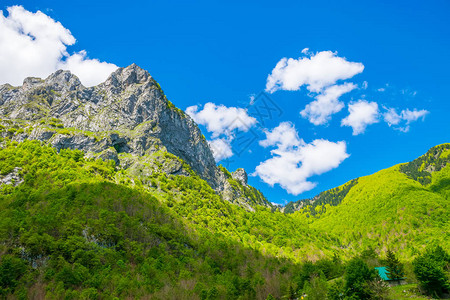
(90,71)
(413,115)
(221,149)
(284,136)
(293,161)
(362,114)
(391,117)
(315,71)
(33,44)
(327,103)
(406,116)
(319,72)
(220,119)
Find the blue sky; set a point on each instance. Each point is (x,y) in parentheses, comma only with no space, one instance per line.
(223,53)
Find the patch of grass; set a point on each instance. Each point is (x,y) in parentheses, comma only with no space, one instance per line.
(407,291)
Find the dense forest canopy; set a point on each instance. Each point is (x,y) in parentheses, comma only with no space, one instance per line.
(77,227)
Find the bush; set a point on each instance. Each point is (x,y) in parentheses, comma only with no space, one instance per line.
(357,279)
(316,288)
(336,291)
(430,271)
(11,270)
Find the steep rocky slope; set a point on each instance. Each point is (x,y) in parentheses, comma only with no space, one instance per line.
(127,119)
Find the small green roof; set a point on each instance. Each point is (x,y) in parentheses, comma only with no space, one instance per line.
(383,273)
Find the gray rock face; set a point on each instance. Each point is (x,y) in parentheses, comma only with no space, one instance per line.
(127,119)
(12,178)
(128,113)
(241,176)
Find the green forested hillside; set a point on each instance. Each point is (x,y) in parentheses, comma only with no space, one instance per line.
(317,204)
(404,207)
(79,228)
(422,168)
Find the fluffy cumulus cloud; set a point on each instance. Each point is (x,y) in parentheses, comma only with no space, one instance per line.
(220,119)
(401,120)
(315,71)
(293,161)
(90,71)
(222,122)
(326,104)
(361,114)
(221,148)
(33,44)
(319,73)
(284,136)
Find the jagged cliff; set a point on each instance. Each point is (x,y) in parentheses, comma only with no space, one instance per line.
(127,119)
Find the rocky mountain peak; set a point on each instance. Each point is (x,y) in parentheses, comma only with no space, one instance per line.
(62,81)
(240,175)
(127,119)
(124,77)
(128,113)
(29,82)
(133,74)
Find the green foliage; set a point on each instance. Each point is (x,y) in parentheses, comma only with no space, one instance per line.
(431,269)
(316,288)
(336,290)
(389,208)
(11,270)
(357,279)
(318,204)
(331,268)
(80,228)
(170,105)
(53,122)
(370,257)
(421,168)
(249,194)
(91,236)
(394,268)
(309,269)
(225,171)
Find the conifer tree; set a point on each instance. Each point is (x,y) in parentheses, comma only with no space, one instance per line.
(394,268)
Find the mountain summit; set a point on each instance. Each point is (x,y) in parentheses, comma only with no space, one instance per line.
(127,119)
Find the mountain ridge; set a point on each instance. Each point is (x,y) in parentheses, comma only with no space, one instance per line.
(391,207)
(419,169)
(127,119)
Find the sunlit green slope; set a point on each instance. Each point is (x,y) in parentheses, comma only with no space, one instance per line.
(392,209)
(77,228)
